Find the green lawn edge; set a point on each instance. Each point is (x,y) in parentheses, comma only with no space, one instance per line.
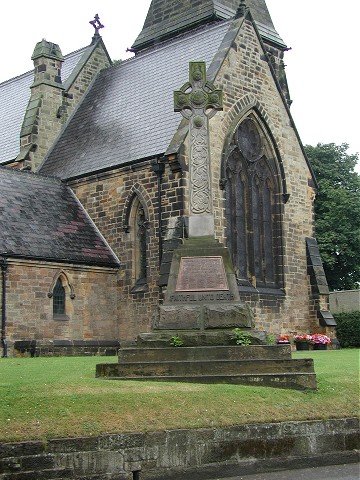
(42,398)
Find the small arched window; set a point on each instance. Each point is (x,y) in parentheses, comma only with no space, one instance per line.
(59,298)
(60,291)
(140,243)
(138,226)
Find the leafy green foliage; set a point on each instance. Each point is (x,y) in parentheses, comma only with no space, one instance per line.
(348,328)
(176,341)
(271,339)
(240,337)
(337,213)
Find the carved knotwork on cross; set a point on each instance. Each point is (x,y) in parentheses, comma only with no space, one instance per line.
(198,100)
(198,96)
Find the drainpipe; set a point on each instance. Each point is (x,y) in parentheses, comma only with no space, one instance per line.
(4,267)
(158,168)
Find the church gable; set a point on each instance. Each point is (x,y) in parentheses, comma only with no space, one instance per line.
(110,128)
(14,98)
(260,176)
(249,82)
(37,104)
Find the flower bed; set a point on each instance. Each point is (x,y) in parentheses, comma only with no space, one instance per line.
(319,338)
(317,341)
(283,339)
(302,339)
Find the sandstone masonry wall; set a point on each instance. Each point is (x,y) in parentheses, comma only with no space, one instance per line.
(56,104)
(96,62)
(183,454)
(247,81)
(108,199)
(90,315)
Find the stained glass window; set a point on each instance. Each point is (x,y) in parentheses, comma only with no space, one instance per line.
(252,208)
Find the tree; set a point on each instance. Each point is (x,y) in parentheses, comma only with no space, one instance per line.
(337,213)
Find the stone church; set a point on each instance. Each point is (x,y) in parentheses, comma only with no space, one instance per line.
(99,195)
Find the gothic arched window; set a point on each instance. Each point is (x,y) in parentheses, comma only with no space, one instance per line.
(60,290)
(58,298)
(140,243)
(252,208)
(138,225)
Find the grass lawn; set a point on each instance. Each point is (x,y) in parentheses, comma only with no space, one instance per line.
(60,397)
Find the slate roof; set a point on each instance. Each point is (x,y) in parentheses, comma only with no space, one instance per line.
(167,18)
(42,219)
(14,98)
(115,122)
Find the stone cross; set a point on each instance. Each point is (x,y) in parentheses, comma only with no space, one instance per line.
(198,100)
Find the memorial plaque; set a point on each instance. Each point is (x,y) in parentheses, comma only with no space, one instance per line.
(199,274)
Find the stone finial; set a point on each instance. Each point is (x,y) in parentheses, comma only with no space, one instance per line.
(96,24)
(241,10)
(48,60)
(48,50)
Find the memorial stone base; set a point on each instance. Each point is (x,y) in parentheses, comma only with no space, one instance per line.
(201,307)
(202,292)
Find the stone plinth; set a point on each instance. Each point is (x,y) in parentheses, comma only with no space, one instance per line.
(204,316)
(202,292)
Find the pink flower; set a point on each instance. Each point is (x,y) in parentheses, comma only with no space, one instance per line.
(320,338)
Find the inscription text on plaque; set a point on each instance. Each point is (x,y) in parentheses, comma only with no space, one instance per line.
(197,274)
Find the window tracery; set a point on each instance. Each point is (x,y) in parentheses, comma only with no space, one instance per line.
(252,208)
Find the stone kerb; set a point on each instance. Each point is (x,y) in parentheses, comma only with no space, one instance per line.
(182,454)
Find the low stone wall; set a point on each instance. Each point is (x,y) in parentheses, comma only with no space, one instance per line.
(182,454)
(344,301)
(68,348)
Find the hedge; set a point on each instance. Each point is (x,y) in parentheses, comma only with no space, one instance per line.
(348,328)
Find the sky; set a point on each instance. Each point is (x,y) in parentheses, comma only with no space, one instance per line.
(322,65)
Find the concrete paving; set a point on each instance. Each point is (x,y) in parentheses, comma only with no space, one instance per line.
(349,471)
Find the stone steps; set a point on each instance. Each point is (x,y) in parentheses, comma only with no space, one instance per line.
(297,381)
(220,352)
(250,365)
(196,338)
(201,367)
